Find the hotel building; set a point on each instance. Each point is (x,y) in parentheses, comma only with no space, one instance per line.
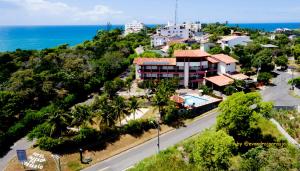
(192,67)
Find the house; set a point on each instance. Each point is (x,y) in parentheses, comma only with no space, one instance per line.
(233,40)
(134,27)
(192,67)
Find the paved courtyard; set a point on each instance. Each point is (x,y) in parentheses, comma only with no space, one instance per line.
(280,92)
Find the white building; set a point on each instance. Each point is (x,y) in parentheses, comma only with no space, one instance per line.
(183,31)
(134,27)
(231,41)
(226,65)
(157,40)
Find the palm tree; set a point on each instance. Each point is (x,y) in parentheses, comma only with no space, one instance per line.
(134,105)
(58,120)
(120,107)
(82,116)
(106,113)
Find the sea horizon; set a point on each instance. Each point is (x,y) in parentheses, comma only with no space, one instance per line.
(37,37)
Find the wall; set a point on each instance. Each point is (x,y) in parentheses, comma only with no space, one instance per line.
(224,68)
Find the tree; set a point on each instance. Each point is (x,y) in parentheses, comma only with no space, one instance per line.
(134,105)
(281,61)
(82,116)
(215,50)
(195,46)
(276,159)
(251,159)
(120,107)
(229,90)
(105,112)
(295,81)
(263,60)
(213,150)
(239,115)
(264,77)
(150,54)
(296,51)
(58,120)
(205,89)
(110,89)
(164,91)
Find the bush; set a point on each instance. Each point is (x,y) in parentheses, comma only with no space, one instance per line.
(264,77)
(206,90)
(17,130)
(86,135)
(40,131)
(137,127)
(49,144)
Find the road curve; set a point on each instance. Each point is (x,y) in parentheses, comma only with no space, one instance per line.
(128,158)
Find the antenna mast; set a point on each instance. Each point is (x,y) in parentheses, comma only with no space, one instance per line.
(176,11)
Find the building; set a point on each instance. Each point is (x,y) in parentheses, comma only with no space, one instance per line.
(134,27)
(166,33)
(231,41)
(157,40)
(192,67)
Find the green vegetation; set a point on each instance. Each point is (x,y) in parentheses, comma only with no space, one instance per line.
(295,81)
(39,87)
(243,119)
(289,120)
(264,77)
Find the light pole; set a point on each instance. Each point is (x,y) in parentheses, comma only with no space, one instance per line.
(158,134)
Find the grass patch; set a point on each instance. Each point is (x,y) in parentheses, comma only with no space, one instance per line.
(268,128)
(74,165)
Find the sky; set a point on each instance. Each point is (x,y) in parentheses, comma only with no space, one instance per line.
(97,12)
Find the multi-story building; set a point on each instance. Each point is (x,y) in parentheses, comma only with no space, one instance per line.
(134,27)
(181,31)
(192,67)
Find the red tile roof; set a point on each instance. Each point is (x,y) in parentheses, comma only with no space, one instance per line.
(190,53)
(225,58)
(220,80)
(212,60)
(155,61)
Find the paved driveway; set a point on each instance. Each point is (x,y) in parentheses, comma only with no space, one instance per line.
(279,93)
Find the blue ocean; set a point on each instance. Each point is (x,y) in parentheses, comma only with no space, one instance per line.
(40,37)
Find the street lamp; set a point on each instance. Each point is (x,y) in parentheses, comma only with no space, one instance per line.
(158,133)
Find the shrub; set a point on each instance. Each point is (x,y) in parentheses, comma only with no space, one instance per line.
(40,131)
(264,77)
(49,144)
(17,130)
(86,135)
(206,90)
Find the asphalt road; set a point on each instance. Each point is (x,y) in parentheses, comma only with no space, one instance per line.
(128,158)
(279,93)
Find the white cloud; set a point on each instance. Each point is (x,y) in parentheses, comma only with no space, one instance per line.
(97,14)
(63,11)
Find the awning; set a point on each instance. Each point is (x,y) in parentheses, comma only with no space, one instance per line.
(220,80)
